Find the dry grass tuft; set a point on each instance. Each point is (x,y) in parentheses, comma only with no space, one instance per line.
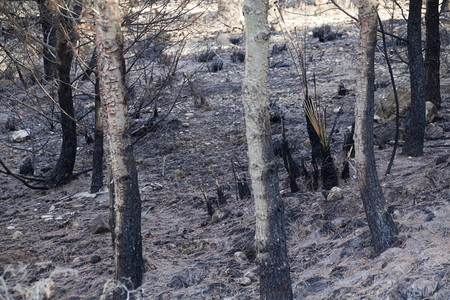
(112,286)
(42,289)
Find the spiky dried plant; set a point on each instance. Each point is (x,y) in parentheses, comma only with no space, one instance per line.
(317,117)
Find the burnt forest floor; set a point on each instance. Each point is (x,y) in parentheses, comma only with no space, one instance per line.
(48,240)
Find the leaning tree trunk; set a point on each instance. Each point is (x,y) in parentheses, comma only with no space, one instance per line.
(272,260)
(432,53)
(382,227)
(126,208)
(49,28)
(62,173)
(415,131)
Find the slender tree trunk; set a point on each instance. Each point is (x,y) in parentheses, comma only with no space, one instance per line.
(272,260)
(432,53)
(382,227)
(126,209)
(97,157)
(62,173)
(445,6)
(415,131)
(49,28)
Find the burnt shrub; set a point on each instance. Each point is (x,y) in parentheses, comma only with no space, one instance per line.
(238,57)
(205,56)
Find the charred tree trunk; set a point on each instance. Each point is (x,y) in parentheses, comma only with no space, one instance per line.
(415,131)
(328,171)
(432,53)
(445,6)
(289,163)
(126,202)
(272,260)
(62,173)
(97,157)
(91,67)
(382,227)
(49,28)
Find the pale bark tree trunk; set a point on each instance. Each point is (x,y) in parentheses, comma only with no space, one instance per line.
(415,130)
(382,227)
(432,53)
(270,238)
(126,207)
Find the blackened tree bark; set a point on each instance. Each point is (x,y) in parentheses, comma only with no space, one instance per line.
(270,238)
(62,173)
(382,227)
(126,206)
(445,6)
(415,131)
(328,171)
(432,53)
(49,28)
(97,157)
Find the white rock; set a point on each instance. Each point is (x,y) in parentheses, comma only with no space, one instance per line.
(335,194)
(240,257)
(244,281)
(340,222)
(431,111)
(20,136)
(84,195)
(11,227)
(17,235)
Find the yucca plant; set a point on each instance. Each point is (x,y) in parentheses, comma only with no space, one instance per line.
(317,117)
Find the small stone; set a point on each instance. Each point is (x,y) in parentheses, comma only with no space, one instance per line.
(431,111)
(20,136)
(47,217)
(185,125)
(11,227)
(17,235)
(76,261)
(252,274)
(100,224)
(240,257)
(95,259)
(82,195)
(177,174)
(244,281)
(335,194)
(340,222)
(430,217)
(220,215)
